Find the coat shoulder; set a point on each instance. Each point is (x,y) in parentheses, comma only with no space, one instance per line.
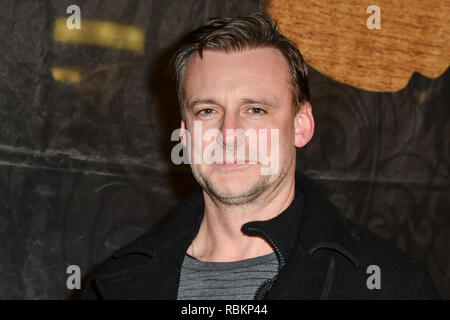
(401,276)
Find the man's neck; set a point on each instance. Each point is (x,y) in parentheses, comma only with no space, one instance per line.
(220,237)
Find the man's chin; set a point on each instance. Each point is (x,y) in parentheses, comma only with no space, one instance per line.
(235,185)
(232,197)
(233,188)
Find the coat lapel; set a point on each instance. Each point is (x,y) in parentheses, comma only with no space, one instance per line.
(323,239)
(149,267)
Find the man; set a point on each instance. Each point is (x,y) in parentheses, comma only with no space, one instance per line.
(245,234)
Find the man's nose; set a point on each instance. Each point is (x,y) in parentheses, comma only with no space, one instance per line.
(229,130)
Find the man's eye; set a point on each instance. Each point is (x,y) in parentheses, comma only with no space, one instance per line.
(206,112)
(256,111)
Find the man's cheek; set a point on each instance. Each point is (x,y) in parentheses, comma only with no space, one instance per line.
(270,154)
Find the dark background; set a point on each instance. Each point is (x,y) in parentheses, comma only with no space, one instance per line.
(85,169)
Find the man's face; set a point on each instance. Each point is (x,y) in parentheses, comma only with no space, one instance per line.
(242,90)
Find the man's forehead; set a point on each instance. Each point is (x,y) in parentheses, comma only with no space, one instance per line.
(266,56)
(252,69)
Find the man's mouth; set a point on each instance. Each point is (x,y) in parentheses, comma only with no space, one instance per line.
(234,165)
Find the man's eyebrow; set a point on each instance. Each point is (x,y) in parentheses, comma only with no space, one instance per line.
(260,101)
(201,101)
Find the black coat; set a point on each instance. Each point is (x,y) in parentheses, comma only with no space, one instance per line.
(321,255)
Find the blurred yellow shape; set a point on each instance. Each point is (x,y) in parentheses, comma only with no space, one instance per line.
(334,39)
(102,34)
(66,75)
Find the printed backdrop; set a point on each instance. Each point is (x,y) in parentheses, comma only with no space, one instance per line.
(85,144)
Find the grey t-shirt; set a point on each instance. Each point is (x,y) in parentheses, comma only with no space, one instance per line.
(237,280)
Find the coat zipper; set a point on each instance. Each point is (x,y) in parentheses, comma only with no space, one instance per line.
(258,294)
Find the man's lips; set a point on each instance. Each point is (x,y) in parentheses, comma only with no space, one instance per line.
(235,161)
(234,165)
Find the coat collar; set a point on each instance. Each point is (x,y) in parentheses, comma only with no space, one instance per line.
(180,228)
(310,221)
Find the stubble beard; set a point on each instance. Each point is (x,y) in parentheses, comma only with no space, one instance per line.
(246,197)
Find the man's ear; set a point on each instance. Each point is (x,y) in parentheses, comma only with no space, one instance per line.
(304,125)
(182,132)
